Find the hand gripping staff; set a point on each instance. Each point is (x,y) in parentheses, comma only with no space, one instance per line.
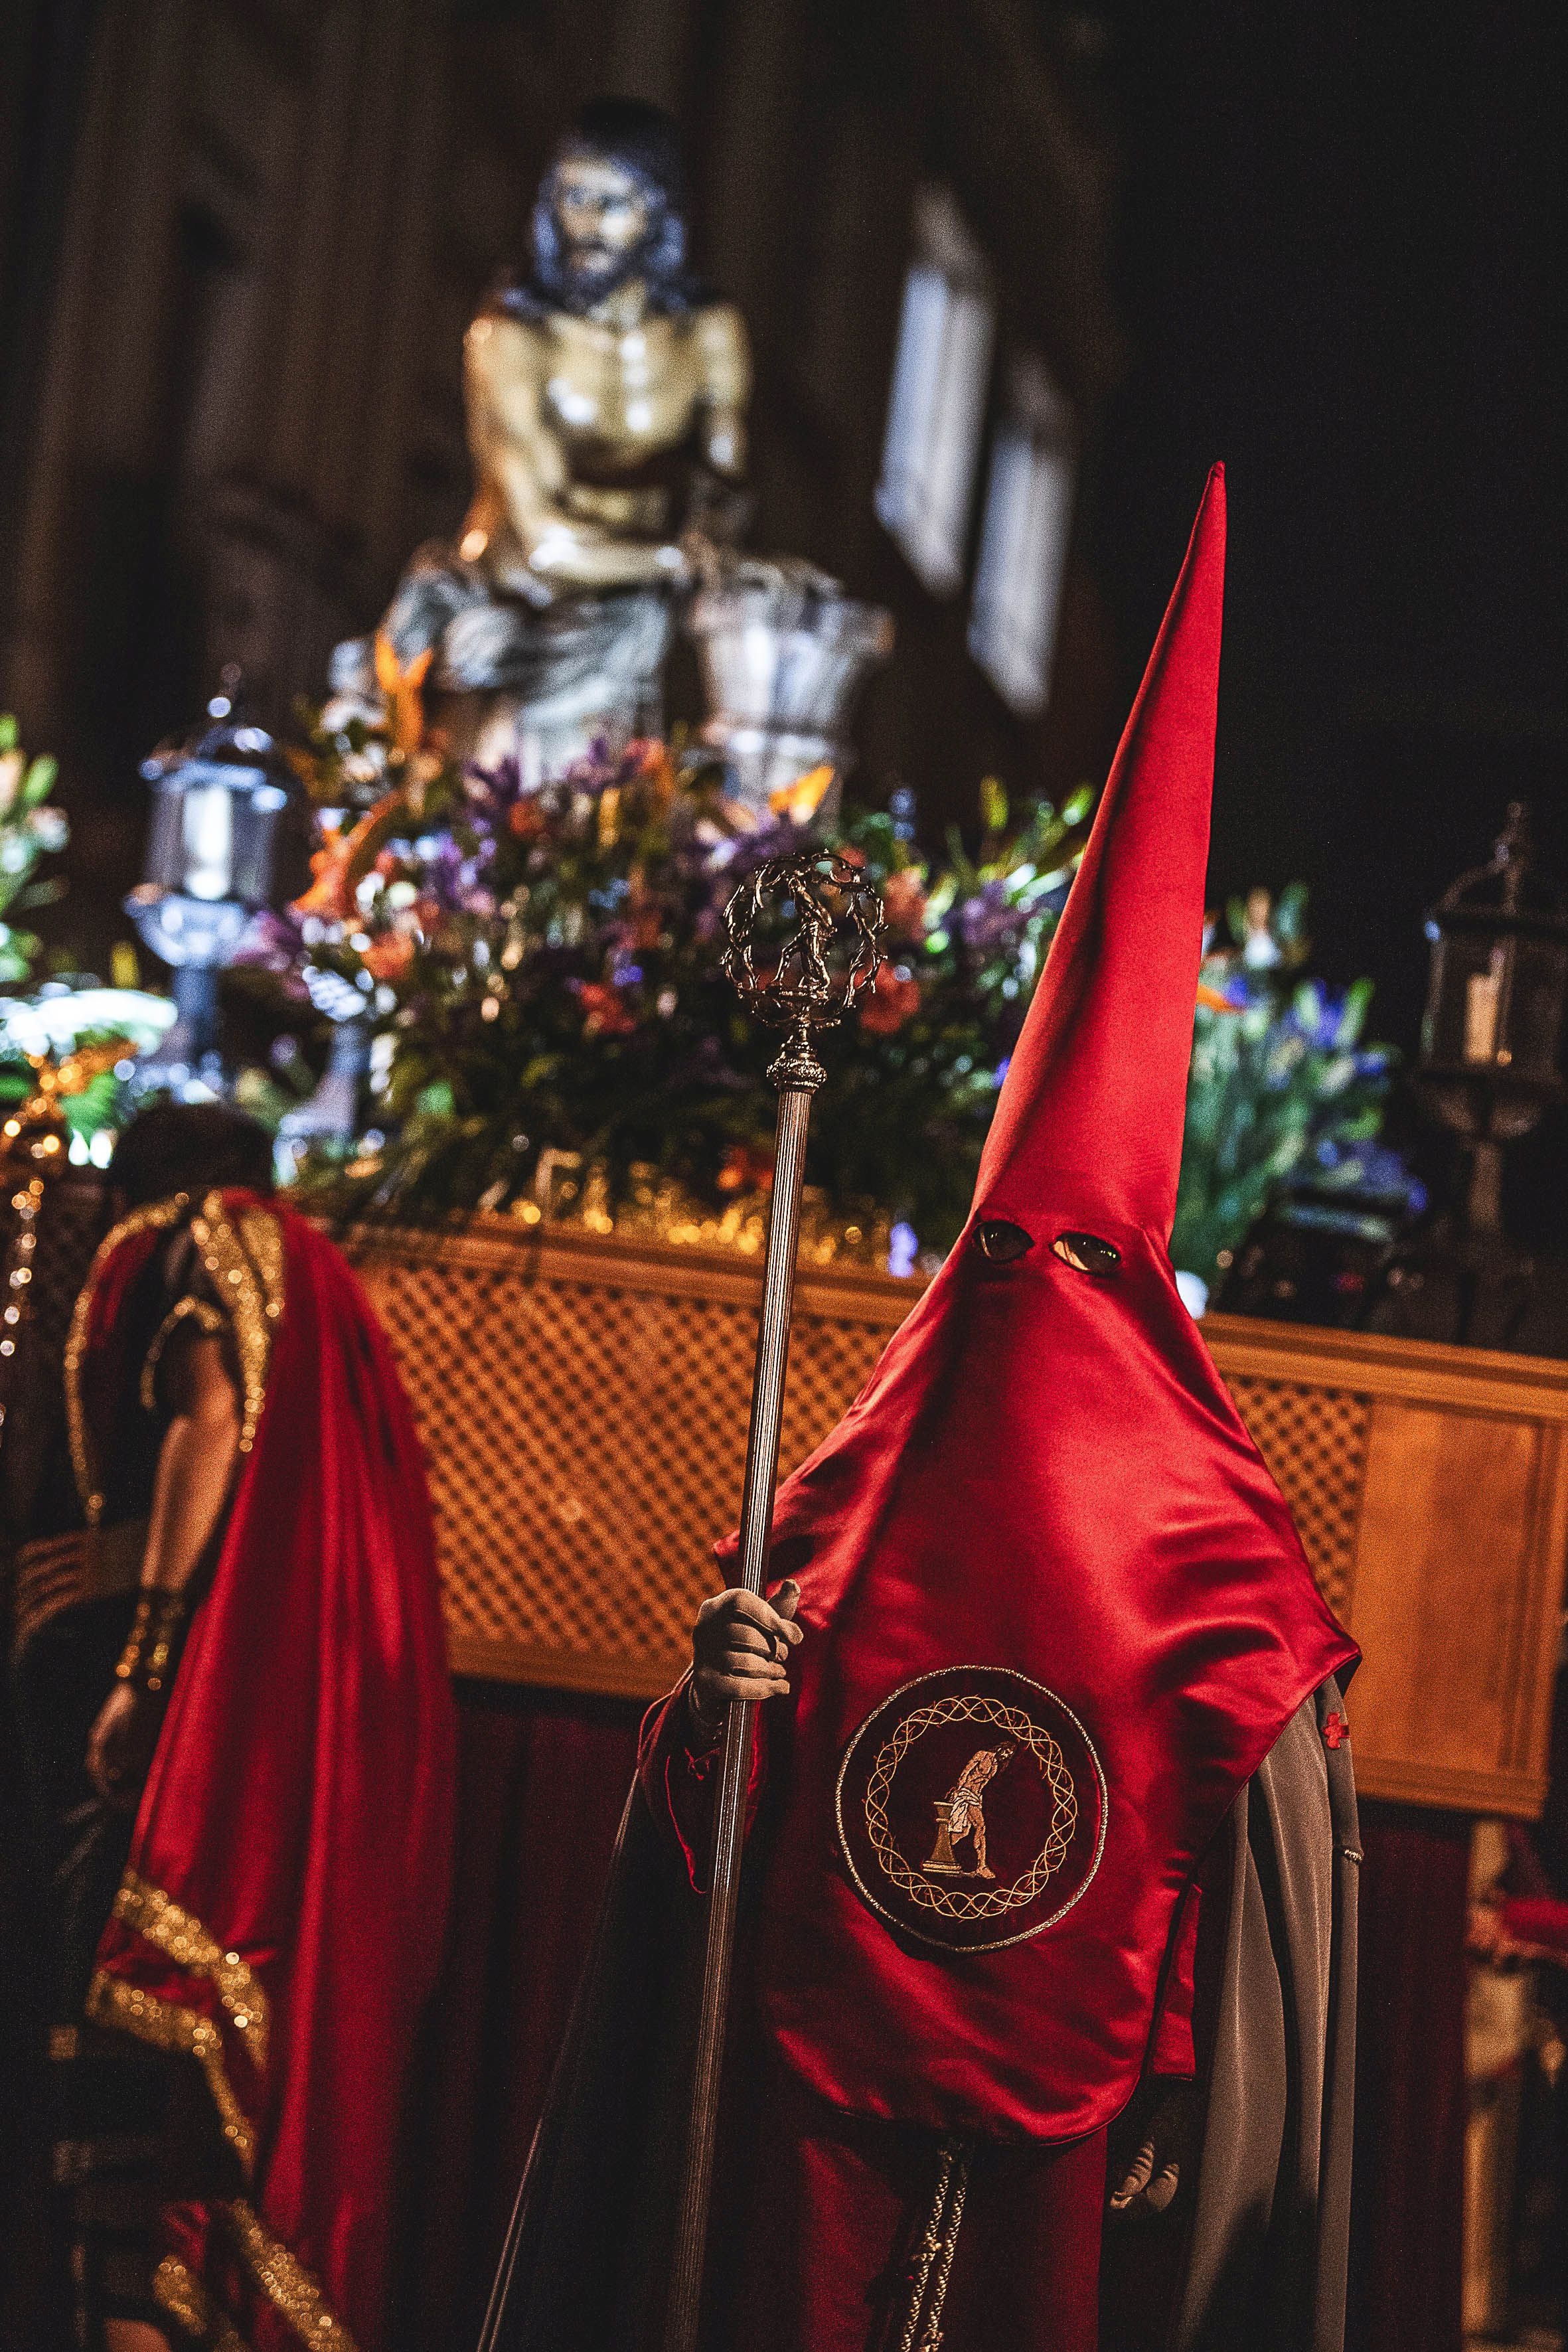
(808,982)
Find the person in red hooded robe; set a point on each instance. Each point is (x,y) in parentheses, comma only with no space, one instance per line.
(1042,2027)
(231,1683)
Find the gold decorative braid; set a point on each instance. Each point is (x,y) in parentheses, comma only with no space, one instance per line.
(207,1319)
(933,2264)
(177,2290)
(155,1214)
(244,1259)
(262,1235)
(167,2025)
(162,1922)
(286,2283)
(947,1902)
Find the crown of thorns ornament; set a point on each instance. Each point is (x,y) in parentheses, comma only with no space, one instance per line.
(810,978)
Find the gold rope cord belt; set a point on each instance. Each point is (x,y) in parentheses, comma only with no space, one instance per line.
(934,2248)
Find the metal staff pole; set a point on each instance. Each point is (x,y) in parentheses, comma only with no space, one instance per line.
(801,993)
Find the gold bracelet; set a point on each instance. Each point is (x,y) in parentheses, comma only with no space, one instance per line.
(145,1661)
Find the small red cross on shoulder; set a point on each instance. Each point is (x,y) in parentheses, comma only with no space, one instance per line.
(1336,1730)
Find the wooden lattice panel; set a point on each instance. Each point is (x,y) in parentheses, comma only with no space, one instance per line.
(1314,1441)
(585,1423)
(584,1402)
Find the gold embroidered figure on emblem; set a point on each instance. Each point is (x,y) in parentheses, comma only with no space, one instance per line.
(961,1814)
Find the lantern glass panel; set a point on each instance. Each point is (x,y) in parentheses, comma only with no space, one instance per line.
(1466,1008)
(207,836)
(1535,1011)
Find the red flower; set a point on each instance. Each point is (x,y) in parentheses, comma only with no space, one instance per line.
(895,998)
(606,1010)
(389,957)
(745,1171)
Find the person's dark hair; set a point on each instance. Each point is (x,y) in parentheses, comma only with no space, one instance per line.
(189,1147)
(644,140)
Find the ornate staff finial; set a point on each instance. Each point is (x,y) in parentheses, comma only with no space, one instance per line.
(804,935)
(809,977)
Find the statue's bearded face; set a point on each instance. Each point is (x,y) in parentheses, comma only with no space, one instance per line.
(605,218)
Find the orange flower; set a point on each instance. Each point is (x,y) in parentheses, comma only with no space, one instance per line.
(401,686)
(801,800)
(389,957)
(893,1000)
(1214,1002)
(904,898)
(523,820)
(657,768)
(346,859)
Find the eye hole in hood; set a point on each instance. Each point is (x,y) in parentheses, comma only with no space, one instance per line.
(1087,1253)
(1000,1241)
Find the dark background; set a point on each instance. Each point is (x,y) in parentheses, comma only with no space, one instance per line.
(239,240)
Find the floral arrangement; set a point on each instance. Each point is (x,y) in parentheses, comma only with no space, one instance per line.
(541,969)
(1282,1088)
(29,829)
(542,972)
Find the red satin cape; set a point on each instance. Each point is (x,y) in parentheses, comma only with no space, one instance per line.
(1047,1476)
(283,1910)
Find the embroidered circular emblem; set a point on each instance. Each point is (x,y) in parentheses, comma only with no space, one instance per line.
(971,1808)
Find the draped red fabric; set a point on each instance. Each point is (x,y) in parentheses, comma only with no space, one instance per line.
(1044,1500)
(283,1912)
(542,1779)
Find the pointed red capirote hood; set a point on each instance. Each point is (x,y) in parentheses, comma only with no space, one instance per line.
(1044,1500)
(1097,1088)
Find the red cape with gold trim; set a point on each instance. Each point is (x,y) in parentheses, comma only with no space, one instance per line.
(282,1915)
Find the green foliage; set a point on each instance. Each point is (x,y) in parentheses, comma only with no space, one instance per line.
(1281,1085)
(29,830)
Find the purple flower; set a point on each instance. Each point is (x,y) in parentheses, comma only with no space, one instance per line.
(494,790)
(271,941)
(986,921)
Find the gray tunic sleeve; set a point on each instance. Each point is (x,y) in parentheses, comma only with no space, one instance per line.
(1267,2267)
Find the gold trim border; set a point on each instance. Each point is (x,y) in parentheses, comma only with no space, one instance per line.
(167,2025)
(249,1285)
(153,1214)
(282,2277)
(177,2290)
(180,1936)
